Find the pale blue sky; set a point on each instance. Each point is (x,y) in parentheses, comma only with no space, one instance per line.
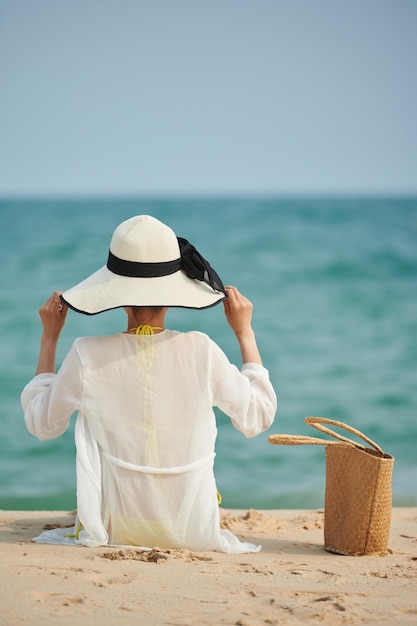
(129,97)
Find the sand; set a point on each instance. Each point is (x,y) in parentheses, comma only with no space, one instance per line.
(291,581)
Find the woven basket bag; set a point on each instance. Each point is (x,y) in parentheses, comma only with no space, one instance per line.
(358,498)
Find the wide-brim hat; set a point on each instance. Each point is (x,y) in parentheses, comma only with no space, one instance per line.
(148,265)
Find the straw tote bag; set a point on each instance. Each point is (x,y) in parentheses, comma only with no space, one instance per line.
(358,498)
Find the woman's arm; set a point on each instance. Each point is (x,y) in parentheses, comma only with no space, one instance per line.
(238,311)
(53,314)
(246,396)
(49,401)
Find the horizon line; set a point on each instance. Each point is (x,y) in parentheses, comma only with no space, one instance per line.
(204,195)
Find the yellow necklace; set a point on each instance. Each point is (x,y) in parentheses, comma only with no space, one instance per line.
(144,329)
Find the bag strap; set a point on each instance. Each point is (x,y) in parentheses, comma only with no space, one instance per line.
(317,422)
(297,440)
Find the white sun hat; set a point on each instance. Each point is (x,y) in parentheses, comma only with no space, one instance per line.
(148,265)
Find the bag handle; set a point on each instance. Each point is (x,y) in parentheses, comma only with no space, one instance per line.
(298,440)
(317,422)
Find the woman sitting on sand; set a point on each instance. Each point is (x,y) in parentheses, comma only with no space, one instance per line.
(145,432)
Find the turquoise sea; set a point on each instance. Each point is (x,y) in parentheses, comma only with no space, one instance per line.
(334,287)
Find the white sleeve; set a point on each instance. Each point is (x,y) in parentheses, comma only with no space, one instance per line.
(246,396)
(49,400)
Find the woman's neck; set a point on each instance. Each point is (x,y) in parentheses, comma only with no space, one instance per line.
(145,317)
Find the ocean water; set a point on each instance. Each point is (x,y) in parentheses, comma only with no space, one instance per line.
(334,287)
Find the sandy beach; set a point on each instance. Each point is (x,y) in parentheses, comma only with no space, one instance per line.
(291,581)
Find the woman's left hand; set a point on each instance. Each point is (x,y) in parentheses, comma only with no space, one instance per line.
(53,315)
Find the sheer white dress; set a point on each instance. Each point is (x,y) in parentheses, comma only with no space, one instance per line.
(145,435)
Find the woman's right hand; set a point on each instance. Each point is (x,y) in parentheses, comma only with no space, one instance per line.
(238,311)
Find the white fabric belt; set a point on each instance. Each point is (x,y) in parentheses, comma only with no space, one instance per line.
(181,469)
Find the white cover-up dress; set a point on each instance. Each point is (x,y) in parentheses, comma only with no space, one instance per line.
(145,435)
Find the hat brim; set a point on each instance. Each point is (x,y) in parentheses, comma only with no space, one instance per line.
(104,290)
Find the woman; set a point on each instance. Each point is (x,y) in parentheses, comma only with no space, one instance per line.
(145,432)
